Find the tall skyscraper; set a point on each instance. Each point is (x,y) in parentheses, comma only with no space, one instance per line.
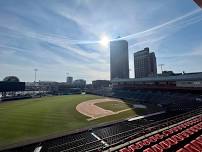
(69,80)
(145,64)
(119,66)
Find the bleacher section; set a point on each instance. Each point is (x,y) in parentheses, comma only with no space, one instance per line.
(122,131)
(78,142)
(144,134)
(170,100)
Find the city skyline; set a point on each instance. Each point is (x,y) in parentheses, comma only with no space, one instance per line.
(60,37)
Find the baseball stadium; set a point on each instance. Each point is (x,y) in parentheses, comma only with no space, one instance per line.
(150,112)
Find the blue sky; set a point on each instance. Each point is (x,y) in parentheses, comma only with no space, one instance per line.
(60,36)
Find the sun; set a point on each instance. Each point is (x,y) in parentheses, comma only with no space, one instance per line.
(104,41)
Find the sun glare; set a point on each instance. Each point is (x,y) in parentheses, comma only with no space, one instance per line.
(104,41)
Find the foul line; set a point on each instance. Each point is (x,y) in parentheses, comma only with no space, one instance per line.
(98,138)
(144,116)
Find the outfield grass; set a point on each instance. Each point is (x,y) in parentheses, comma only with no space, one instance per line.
(113,105)
(33,119)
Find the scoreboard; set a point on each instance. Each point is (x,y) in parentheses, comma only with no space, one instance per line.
(11,86)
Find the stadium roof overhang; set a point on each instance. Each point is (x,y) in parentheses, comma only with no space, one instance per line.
(184,77)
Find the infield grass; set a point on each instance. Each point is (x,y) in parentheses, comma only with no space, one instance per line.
(113,105)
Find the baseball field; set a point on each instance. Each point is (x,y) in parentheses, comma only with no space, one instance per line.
(29,120)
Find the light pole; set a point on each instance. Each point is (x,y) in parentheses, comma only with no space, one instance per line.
(161,65)
(35,71)
(130,72)
(67,74)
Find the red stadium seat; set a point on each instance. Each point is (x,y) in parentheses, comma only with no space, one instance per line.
(180,136)
(193,129)
(164,144)
(190,132)
(146,142)
(175,129)
(199,139)
(167,132)
(184,134)
(158,136)
(200,124)
(136,146)
(124,150)
(179,127)
(187,124)
(176,138)
(139,145)
(182,150)
(149,150)
(171,142)
(197,144)
(183,126)
(191,148)
(157,148)
(196,120)
(190,123)
(197,127)
(152,139)
(132,148)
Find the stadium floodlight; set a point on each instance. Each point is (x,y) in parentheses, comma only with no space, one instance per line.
(67,74)
(161,65)
(35,71)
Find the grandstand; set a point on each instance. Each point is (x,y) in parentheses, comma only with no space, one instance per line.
(170,100)
(189,82)
(179,92)
(162,131)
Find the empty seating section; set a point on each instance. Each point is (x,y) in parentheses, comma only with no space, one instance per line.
(121,132)
(159,97)
(81,141)
(115,133)
(163,132)
(182,137)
